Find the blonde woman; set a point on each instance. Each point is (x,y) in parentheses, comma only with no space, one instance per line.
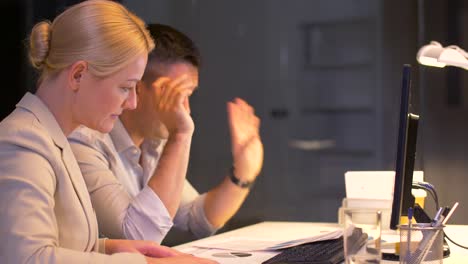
(90,58)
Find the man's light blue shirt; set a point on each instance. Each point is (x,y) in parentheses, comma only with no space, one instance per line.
(125,205)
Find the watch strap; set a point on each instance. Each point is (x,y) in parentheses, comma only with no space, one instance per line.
(236,181)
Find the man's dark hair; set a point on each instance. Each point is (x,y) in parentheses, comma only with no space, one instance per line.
(171,46)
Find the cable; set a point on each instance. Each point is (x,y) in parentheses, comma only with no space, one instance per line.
(431,190)
(453,242)
(429,187)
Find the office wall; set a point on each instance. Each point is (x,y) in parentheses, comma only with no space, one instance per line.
(13,55)
(304,88)
(254,49)
(234,37)
(19,16)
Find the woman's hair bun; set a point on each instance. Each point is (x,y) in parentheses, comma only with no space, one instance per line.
(39,43)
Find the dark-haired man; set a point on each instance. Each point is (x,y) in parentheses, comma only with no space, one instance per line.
(136,173)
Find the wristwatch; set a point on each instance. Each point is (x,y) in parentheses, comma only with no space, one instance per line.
(236,181)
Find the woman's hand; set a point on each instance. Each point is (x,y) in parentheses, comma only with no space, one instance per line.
(181,259)
(155,254)
(146,248)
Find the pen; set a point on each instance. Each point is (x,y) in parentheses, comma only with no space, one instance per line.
(440,222)
(410,220)
(450,213)
(437,216)
(410,215)
(446,211)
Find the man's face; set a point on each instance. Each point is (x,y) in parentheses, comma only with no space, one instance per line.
(146,109)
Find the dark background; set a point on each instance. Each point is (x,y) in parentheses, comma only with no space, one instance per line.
(324,77)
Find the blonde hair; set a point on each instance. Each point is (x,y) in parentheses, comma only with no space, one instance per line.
(101,32)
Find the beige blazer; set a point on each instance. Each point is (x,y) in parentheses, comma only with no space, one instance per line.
(46,212)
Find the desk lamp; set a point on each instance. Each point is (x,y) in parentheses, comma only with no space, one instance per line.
(436,55)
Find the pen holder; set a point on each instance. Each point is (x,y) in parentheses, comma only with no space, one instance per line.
(421,244)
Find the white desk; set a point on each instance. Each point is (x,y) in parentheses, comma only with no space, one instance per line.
(290,230)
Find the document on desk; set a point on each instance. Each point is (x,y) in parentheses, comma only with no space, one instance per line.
(248,244)
(229,256)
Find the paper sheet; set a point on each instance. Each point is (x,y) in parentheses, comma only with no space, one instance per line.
(231,257)
(245,244)
(369,184)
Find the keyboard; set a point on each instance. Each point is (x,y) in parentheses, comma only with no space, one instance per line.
(320,252)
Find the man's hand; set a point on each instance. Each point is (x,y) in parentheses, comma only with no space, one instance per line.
(171,106)
(171,103)
(247,148)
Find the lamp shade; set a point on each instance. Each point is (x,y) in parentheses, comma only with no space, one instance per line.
(436,55)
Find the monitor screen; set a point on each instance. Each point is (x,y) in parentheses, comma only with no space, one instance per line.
(406,152)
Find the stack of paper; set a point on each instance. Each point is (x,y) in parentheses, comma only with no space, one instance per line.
(248,244)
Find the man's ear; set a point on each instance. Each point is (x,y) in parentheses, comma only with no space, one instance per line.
(77,72)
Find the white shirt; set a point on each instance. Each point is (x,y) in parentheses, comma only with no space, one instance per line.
(125,206)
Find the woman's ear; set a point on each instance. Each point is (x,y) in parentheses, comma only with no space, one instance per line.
(77,71)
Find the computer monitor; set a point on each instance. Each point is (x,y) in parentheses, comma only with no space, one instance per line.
(406,152)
